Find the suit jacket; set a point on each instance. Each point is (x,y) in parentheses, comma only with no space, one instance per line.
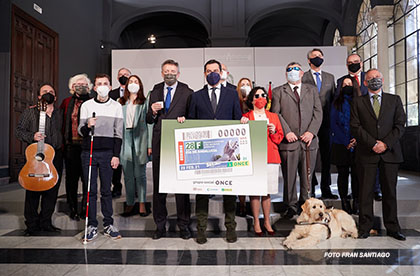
(231,86)
(388,128)
(285,104)
(178,108)
(228,107)
(273,156)
(363,88)
(326,94)
(114,94)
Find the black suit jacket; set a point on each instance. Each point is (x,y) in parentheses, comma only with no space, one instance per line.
(231,86)
(363,88)
(228,107)
(388,128)
(178,108)
(115,94)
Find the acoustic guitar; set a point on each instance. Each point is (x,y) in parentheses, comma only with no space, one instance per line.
(39,173)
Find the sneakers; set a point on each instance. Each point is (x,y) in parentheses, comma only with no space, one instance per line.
(112,232)
(92,233)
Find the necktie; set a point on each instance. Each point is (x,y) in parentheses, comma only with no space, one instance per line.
(298,102)
(318,81)
(213,99)
(357,79)
(168,100)
(376,105)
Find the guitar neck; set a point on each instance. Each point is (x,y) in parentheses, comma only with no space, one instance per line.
(41,129)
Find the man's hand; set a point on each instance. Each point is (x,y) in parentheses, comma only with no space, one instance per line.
(181,119)
(115,161)
(352,143)
(149,151)
(271,128)
(291,137)
(91,122)
(307,138)
(244,120)
(156,107)
(379,147)
(38,136)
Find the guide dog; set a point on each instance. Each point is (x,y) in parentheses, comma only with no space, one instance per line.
(317,223)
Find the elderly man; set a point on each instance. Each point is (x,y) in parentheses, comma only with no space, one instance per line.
(300,113)
(377,122)
(325,84)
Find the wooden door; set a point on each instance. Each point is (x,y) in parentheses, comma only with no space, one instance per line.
(34,61)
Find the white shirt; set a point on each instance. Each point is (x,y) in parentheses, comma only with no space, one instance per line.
(165,90)
(121,92)
(379,98)
(298,85)
(129,116)
(210,90)
(314,75)
(359,77)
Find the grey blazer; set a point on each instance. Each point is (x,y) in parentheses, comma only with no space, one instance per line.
(285,104)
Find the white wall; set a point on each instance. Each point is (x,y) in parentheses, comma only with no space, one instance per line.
(260,64)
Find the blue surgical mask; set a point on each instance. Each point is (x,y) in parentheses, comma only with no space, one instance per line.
(293,76)
(213,78)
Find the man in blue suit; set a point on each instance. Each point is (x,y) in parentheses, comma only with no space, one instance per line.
(215,102)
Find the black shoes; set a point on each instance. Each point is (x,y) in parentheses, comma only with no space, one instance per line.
(31,231)
(231,236)
(201,237)
(51,228)
(345,206)
(378,196)
(290,213)
(159,234)
(363,235)
(329,195)
(116,193)
(185,234)
(396,235)
(74,215)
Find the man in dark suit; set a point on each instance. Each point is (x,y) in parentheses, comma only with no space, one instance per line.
(325,84)
(300,113)
(215,102)
(224,76)
(115,94)
(168,100)
(377,122)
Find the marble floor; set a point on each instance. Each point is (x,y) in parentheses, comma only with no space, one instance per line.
(138,254)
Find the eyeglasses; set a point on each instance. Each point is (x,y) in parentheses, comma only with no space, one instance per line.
(293,68)
(256,96)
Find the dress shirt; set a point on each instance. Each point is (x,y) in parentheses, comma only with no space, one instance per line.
(121,92)
(314,76)
(165,90)
(218,87)
(292,86)
(379,98)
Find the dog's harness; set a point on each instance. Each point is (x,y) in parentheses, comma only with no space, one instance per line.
(325,221)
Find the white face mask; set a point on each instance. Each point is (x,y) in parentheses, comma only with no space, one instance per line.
(103,91)
(293,76)
(224,75)
(246,89)
(133,87)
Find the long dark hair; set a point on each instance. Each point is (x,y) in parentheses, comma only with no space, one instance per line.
(140,99)
(251,95)
(339,100)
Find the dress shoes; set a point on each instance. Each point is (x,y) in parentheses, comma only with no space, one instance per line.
(30,231)
(396,235)
(290,213)
(185,234)
(51,228)
(378,196)
(74,216)
(201,237)
(144,214)
(259,234)
(329,196)
(231,236)
(159,234)
(116,194)
(128,211)
(363,235)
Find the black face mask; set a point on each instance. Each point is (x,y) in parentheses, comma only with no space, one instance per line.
(347,90)
(48,97)
(354,67)
(84,97)
(316,61)
(123,80)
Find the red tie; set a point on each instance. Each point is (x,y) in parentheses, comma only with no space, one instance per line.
(357,79)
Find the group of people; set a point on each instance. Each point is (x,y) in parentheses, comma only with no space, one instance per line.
(355,125)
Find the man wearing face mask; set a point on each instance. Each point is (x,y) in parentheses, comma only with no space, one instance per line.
(27,131)
(107,123)
(115,94)
(215,102)
(168,100)
(325,84)
(300,112)
(224,77)
(377,122)
(79,86)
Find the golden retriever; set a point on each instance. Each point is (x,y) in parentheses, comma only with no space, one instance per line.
(317,223)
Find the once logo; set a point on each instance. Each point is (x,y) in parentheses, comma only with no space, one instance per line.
(224,182)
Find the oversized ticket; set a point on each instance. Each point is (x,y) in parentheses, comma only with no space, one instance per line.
(204,152)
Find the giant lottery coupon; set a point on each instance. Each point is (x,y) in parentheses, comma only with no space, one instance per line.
(217,150)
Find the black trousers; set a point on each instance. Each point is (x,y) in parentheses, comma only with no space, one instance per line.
(160,212)
(48,199)
(325,152)
(388,173)
(74,172)
(116,178)
(343,181)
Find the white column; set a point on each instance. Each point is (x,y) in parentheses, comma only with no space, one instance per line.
(380,15)
(349,42)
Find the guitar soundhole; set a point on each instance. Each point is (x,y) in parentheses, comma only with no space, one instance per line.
(39,156)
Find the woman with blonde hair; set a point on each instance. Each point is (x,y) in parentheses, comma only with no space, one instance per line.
(243,88)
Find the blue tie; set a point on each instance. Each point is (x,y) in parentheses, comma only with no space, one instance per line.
(168,100)
(318,81)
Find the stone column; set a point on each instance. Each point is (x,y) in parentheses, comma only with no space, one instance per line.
(380,15)
(349,42)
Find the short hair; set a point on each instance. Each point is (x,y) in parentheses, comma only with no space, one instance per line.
(293,63)
(212,61)
(77,77)
(170,62)
(353,54)
(251,94)
(44,84)
(313,50)
(374,69)
(102,75)
(123,68)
